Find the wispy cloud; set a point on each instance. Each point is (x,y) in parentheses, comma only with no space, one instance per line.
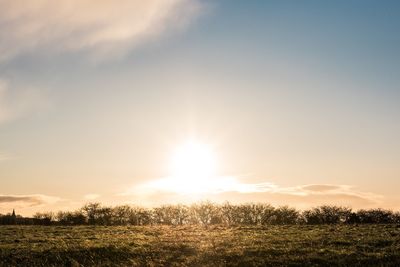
(27,200)
(305,196)
(217,184)
(91,196)
(222,189)
(27,205)
(4,156)
(102,27)
(17,102)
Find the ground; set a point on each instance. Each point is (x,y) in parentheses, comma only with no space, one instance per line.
(297,245)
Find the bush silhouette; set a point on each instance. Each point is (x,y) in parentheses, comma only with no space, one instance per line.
(206,213)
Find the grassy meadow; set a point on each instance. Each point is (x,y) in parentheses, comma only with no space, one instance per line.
(188,245)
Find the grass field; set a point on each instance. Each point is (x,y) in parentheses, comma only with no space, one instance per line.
(345,245)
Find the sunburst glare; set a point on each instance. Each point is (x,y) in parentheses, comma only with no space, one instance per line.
(192,161)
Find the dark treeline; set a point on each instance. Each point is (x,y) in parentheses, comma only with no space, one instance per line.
(205,213)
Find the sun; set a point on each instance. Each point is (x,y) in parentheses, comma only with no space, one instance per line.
(193,160)
(192,170)
(193,173)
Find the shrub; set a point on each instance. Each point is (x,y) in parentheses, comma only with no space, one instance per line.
(205,213)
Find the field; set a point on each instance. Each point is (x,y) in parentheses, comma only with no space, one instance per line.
(345,245)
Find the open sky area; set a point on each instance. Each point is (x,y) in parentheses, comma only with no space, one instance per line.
(173,101)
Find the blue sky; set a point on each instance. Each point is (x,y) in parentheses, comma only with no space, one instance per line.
(290,93)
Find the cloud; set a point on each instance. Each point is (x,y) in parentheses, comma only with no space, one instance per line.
(17,102)
(26,200)
(302,197)
(102,26)
(321,187)
(91,196)
(222,189)
(4,157)
(27,205)
(206,185)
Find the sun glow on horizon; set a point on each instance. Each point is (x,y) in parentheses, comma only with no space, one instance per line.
(193,168)
(193,171)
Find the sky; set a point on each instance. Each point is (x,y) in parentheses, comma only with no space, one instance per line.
(295,102)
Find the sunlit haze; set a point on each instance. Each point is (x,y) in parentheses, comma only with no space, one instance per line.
(153,102)
(193,161)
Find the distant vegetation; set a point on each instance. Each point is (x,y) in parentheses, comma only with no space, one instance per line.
(206,213)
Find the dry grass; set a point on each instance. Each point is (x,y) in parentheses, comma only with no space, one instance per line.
(345,245)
